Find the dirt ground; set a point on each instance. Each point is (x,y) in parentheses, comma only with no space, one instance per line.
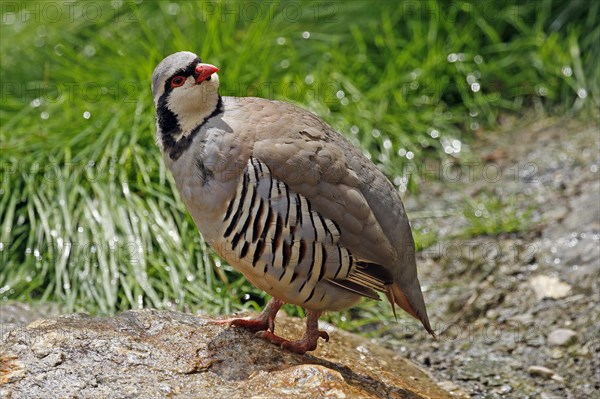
(517,314)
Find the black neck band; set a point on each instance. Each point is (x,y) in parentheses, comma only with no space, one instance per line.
(170,128)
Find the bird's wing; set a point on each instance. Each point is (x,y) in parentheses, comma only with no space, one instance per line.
(285,243)
(343,186)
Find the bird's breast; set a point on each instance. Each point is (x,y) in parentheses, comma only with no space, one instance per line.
(206,176)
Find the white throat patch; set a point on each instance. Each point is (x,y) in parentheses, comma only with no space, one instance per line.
(192,103)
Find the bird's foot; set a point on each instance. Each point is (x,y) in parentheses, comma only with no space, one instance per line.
(264,321)
(307,343)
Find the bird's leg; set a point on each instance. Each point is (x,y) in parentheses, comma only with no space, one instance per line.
(264,321)
(307,343)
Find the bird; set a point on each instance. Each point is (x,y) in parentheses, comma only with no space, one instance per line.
(285,199)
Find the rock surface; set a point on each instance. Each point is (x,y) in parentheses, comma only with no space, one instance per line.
(154,354)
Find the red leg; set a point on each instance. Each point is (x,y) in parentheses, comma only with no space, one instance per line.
(264,321)
(307,343)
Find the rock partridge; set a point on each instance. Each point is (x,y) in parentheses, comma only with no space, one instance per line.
(285,199)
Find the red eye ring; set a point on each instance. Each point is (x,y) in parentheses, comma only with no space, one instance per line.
(177,81)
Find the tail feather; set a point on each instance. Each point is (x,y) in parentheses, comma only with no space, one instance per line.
(397,297)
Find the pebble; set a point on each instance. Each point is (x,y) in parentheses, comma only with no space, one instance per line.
(523,318)
(561,337)
(549,287)
(502,390)
(540,371)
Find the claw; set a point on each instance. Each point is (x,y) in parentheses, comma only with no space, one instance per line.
(264,327)
(307,343)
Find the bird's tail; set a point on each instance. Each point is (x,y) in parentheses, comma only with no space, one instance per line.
(416,309)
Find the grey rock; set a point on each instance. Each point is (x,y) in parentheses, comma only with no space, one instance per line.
(152,354)
(561,337)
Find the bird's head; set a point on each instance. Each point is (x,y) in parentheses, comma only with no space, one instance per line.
(185,92)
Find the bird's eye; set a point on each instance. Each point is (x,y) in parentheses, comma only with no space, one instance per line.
(177,81)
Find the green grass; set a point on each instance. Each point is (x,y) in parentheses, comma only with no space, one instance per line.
(490,215)
(89,216)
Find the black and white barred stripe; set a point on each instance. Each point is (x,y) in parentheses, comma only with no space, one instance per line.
(277,232)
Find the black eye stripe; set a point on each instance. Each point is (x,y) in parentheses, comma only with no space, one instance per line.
(185,72)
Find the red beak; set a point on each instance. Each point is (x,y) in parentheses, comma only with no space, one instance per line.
(204,71)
